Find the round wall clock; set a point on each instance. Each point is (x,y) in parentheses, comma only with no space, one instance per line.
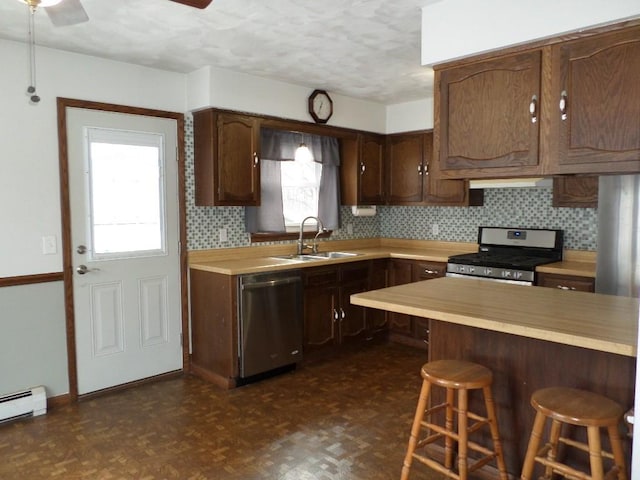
(320,106)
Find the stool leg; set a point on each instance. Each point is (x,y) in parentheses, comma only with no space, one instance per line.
(495,435)
(463,433)
(595,453)
(448,441)
(415,429)
(618,455)
(554,440)
(532,449)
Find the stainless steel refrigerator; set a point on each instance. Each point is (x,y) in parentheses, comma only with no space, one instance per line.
(618,261)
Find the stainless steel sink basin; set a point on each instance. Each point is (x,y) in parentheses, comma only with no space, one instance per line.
(309,257)
(335,254)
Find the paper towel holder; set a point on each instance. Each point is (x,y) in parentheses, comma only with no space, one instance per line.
(363,210)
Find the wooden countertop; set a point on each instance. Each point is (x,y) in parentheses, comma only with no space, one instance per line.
(600,322)
(237,261)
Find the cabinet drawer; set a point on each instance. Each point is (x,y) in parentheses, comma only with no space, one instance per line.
(566,282)
(421,329)
(428,270)
(354,272)
(320,276)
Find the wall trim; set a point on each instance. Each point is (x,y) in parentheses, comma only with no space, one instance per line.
(31,279)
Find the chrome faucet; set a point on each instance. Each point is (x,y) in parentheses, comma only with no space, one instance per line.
(301,244)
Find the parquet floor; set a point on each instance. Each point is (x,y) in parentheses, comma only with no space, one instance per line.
(346,418)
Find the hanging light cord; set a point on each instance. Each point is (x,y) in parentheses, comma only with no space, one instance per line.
(32,56)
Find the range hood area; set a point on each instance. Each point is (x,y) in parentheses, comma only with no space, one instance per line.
(535,182)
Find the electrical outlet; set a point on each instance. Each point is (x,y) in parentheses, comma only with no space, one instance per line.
(435,229)
(223,235)
(350,228)
(49,245)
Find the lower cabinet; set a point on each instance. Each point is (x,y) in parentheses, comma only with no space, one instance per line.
(566,282)
(329,317)
(408,329)
(377,320)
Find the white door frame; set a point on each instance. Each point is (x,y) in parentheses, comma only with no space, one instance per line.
(67,256)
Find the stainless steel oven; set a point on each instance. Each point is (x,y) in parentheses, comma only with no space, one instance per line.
(508,255)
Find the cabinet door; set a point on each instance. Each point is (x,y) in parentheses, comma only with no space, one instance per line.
(405,168)
(566,282)
(371,177)
(595,130)
(438,190)
(427,270)
(321,311)
(238,168)
(484,125)
(376,318)
(353,325)
(575,192)
(400,272)
(226,151)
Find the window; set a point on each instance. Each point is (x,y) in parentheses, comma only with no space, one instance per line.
(294,189)
(126,191)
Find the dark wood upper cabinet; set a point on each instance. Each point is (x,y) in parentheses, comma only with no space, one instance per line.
(488,117)
(411,173)
(226,163)
(597,127)
(406,168)
(575,192)
(362,170)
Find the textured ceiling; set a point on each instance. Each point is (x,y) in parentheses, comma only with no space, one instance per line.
(368,49)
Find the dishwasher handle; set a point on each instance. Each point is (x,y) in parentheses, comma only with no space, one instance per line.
(270,283)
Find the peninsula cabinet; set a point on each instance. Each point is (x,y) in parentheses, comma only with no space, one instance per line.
(565,107)
(329,317)
(226,159)
(377,320)
(409,173)
(362,169)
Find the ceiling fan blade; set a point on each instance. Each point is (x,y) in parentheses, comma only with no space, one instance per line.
(194,3)
(67,12)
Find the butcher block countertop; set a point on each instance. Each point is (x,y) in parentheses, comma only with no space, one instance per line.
(600,322)
(237,261)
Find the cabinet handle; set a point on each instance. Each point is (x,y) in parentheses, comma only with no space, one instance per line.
(362,168)
(335,315)
(341,314)
(431,272)
(533,109)
(255,159)
(425,168)
(419,169)
(563,104)
(564,287)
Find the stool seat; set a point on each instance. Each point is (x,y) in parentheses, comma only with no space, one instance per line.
(457,374)
(579,408)
(457,377)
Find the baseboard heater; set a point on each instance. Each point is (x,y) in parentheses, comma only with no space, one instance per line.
(26,403)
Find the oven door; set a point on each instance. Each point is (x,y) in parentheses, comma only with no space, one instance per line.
(489,279)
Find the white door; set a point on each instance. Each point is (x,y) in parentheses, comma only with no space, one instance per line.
(123,191)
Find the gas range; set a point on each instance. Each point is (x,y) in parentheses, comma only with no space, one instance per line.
(508,254)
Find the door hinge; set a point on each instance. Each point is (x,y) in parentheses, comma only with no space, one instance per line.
(181,343)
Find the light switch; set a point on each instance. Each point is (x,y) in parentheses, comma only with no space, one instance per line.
(49,245)
(223,235)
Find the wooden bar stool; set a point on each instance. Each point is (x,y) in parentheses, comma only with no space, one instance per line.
(456,376)
(580,408)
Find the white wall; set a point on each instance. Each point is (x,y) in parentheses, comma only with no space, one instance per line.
(29,192)
(215,87)
(457,28)
(405,117)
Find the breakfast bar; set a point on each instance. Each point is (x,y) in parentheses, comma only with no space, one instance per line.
(530,337)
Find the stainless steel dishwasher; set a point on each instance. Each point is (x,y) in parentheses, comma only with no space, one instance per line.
(270,321)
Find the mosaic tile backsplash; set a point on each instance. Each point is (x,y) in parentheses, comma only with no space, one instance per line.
(509,207)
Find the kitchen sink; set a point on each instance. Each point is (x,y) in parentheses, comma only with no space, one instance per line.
(309,257)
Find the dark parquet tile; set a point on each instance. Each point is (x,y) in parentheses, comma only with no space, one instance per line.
(339,419)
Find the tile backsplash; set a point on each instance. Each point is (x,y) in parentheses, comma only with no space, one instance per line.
(509,207)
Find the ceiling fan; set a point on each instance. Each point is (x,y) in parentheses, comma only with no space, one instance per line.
(71,12)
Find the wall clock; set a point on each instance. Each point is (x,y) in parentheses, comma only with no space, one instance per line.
(320,106)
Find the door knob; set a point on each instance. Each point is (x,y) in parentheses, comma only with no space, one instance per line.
(82,269)
(81,249)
